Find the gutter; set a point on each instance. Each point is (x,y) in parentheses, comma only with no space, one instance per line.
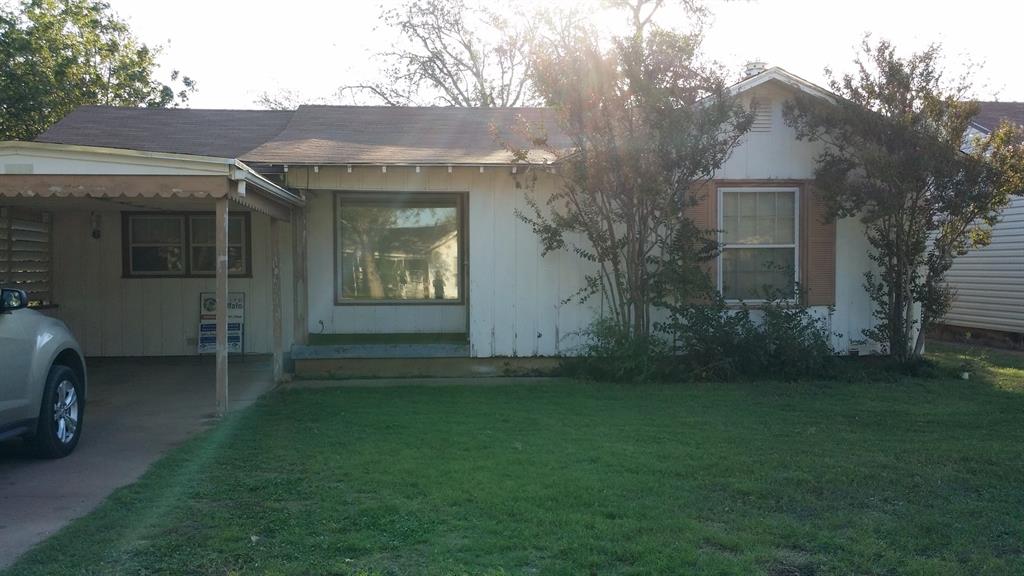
(245,175)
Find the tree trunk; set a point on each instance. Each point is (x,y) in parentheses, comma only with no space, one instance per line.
(374,284)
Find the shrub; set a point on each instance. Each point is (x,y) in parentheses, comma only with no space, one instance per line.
(715,341)
(780,340)
(711,341)
(612,354)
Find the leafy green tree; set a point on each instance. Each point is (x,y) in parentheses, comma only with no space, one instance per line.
(56,55)
(896,155)
(647,123)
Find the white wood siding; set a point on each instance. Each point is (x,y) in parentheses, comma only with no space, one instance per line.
(522,304)
(115,316)
(515,297)
(773,152)
(989,281)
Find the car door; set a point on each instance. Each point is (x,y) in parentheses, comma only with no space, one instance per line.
(17,345)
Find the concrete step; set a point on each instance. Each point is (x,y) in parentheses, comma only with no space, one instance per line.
(435,367)
(340,351)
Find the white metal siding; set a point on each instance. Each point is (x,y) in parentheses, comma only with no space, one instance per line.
(989,281)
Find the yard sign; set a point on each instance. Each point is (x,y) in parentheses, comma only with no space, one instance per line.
(208,322)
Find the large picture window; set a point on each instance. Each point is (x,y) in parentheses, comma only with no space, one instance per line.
(759,242)
(398,248)
(182,244)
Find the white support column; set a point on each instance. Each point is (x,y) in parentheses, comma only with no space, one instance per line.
(299,292)
(221,226)
(275,298)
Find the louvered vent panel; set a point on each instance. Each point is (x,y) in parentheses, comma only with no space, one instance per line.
(5,246)
(763,116)
(25,262)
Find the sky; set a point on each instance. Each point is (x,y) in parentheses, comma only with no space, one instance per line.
(237,50)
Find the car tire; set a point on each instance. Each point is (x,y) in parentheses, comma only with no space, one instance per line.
(61,415)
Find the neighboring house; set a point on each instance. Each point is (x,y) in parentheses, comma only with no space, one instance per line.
(372,220)
(989,281)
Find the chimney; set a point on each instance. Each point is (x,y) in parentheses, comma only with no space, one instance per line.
(753,68)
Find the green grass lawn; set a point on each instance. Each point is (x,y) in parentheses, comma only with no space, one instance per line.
(865,475)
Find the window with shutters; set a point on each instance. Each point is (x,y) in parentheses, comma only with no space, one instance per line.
(25,253)
(759,232)
(182,244)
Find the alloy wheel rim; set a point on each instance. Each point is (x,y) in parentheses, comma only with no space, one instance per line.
(65,412)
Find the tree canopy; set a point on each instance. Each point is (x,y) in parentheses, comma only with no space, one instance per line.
(56,55)
(896,156)
(648,122)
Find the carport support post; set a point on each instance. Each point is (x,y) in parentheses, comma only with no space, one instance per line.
(221,225)
(275,298)
(299,293)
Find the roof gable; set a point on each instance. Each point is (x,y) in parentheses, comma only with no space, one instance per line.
(779,76)
(990,114)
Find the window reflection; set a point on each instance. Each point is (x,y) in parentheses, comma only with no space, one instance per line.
(398,248)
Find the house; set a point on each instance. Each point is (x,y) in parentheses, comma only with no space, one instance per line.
(340,220)
(989,282)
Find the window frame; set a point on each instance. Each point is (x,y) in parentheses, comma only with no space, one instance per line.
(461,202)
(186,218)
(721,192)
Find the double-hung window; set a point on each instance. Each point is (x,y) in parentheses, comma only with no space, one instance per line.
(182,244)
(759,242)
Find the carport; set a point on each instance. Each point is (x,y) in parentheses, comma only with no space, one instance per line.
(88,193)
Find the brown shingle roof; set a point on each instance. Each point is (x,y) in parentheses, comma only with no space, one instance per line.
(990,114)
(309,135)
(222,133)
(387,134)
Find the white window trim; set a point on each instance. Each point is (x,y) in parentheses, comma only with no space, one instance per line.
(720,209)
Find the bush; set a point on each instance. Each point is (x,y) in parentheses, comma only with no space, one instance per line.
(781,340)
(612,354)
(716,341)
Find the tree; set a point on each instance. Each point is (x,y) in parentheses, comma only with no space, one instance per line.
(56,55)
(895,156)
(646,124)
(454,55)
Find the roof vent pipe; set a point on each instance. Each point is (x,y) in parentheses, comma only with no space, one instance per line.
(753,68)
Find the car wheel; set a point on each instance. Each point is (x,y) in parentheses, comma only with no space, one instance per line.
(60,418)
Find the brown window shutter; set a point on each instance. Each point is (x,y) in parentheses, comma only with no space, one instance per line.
(703,213)
(705,217)
(817,251)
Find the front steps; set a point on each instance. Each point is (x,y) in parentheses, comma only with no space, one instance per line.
(441,360)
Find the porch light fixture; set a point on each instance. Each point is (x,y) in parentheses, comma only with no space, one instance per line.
(383,169)
(349,168)
(316,169)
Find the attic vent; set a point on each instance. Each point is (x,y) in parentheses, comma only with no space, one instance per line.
(762,110)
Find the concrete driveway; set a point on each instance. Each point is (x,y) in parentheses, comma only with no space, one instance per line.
(137,409)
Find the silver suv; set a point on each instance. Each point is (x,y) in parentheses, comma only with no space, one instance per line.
(42,378)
